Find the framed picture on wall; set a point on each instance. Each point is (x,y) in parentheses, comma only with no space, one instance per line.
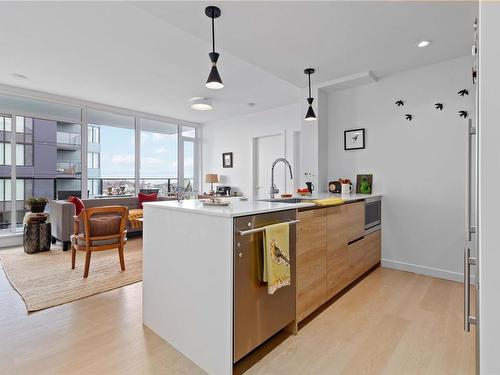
(227,160)
(354,139)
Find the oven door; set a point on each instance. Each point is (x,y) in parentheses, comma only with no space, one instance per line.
(373,212)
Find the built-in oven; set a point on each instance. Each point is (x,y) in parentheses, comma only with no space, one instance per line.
(373,214)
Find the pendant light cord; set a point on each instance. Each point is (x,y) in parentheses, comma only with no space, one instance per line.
(309,75)
(213,34)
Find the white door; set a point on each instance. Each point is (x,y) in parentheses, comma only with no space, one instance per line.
(266,150)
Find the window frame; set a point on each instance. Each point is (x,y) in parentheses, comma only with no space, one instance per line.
(83,107)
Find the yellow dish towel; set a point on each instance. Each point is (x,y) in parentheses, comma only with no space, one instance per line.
(133,215)
(329,201)
(276,258)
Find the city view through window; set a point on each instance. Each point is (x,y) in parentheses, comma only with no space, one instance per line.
(48,159)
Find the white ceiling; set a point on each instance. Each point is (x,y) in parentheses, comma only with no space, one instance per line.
(153,56)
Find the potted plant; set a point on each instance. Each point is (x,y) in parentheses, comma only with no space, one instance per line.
(36,204)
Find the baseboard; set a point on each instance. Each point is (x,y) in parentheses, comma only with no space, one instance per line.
(11,240)
(428,271)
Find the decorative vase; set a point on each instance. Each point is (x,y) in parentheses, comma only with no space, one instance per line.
(37,208)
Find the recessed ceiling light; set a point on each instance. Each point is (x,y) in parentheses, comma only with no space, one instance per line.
(252,104)
(424,43)
(19,76)
(201,104)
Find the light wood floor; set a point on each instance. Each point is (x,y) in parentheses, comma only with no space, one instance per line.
(392,322)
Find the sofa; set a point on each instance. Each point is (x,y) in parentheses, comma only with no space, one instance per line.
(62,212)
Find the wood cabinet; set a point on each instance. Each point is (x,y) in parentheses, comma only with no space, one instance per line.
(337,261)
(332,252)
(355,220)
(373,249)
(311,261)
(364,254)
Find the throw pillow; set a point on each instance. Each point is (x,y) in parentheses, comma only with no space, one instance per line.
(79,206)
(147,198)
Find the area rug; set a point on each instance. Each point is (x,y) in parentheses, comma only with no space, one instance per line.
(46,279)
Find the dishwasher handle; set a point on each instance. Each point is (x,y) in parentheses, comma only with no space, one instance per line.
(262,229)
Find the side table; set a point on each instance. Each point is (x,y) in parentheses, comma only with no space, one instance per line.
(36,233)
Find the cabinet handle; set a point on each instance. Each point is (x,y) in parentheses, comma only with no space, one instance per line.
(471,130)
(356,240)
(468,261)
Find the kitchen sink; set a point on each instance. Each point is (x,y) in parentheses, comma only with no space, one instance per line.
(283,200)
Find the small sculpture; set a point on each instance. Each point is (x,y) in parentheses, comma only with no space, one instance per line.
(463,92)
(408,117)
(439,106)
(463,114)
(400,103)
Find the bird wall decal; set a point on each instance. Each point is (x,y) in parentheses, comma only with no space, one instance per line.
(400,103)
(439,106)
(408,117)
(463,114)
(463,92)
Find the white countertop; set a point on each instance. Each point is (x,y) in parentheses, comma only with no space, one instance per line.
(347,198)
(235,209)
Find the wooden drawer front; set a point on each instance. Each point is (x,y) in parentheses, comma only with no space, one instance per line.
(337,262)
(355,220)
(357,263)
(311,261)
(373,249)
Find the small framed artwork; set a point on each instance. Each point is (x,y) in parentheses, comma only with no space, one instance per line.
(227,160)
(354,139)
(364,184)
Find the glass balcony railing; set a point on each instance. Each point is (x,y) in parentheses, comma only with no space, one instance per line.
(66,138)
(116,186)
(69,168)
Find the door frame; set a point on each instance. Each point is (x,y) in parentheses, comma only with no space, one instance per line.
(254,157)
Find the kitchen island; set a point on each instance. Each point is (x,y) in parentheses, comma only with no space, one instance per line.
(188,275)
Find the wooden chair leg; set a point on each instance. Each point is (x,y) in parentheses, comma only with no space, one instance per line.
(122,260)
(73,257)
(87,264)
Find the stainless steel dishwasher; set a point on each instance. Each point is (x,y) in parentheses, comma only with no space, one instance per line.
(257,314)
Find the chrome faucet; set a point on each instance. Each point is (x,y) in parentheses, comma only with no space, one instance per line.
(273,189)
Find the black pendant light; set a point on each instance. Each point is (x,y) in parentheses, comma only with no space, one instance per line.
(310,116)
(214,81)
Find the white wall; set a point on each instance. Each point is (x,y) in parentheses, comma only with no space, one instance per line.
(418,166)
(489,130)
(235,135)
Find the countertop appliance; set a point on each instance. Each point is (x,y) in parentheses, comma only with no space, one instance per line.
(373,214)
(334,187)
(258,315)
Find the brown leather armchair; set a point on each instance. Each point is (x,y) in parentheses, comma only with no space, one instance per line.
(98,229)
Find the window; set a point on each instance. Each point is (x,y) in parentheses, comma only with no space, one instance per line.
(189,159)
(93,160)
(111,158)
(159,154)
(93,134)
(24,141)
(5,139)
(44,152)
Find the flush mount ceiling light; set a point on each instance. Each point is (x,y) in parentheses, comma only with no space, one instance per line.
(214,81)
(423,43)
(201,104)
(310,116)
